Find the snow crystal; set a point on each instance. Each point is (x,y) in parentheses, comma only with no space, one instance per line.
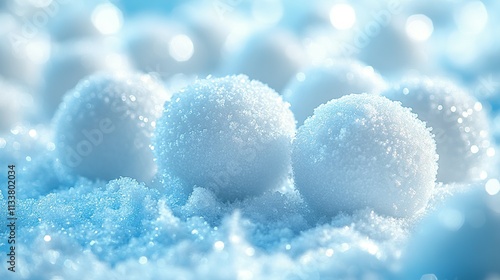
(230,135)
(319,85)
(459,239)
(356,148)
(103,127)
(124,229)
(457,120)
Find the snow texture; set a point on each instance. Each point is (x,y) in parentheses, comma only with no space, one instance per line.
(230,135)
(457,120)
(103,127)
(360,146)
(320,84)
(123,229)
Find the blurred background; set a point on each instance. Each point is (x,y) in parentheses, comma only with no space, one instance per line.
(47,46)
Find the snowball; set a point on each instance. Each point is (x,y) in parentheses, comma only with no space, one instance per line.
(230,134)
(75,21)
(364,151)
(387,48)
(15,106)
(70,63)
(21,55)
(103,127)
(271,57)
(457,120)
(321,84)
(458,239)
(164,47)
(208,31)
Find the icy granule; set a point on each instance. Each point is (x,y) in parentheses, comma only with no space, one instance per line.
(230,135)
(124,229)
(319,85)
(359,147)
(103,127)
(457,120)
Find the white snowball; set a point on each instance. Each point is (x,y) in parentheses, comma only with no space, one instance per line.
(271,57)
(230,134)
(319,85)
(72,62)
(388,49)
(460,239)
(457,120)
(165,47)
(208,31)
(21,53)
(103,127)
(15,106)
(76,20)
(364,151)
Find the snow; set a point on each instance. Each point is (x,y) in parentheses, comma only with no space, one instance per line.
(103,127)
(458,239)
(457,120)
(231,135)
(217,182)
(320,84)
(358,147)
(158,45)
(16,62)
(271,56)
(15,106)
(92,228)
(72,62)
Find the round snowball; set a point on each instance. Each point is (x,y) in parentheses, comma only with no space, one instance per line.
(272,57)
(21,56)
(103,127)
(230,135)
(457,120)
(70,63)
(364,151)
(165,47)
(319,85)
(389,50)
(460,239)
